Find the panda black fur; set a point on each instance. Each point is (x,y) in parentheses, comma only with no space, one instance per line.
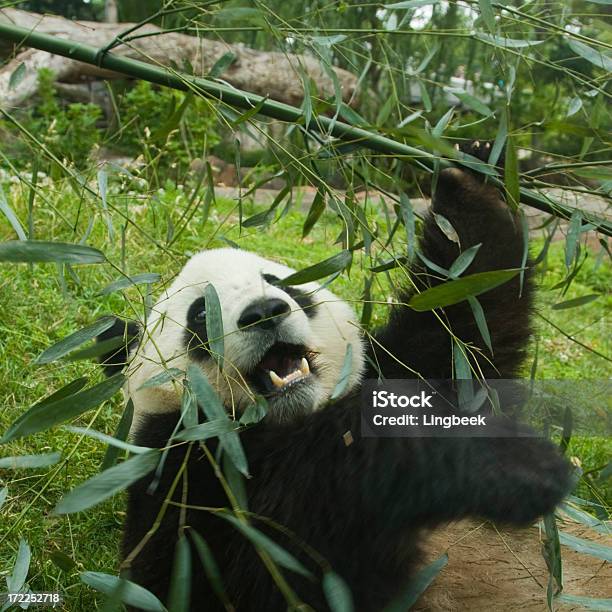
(362,506)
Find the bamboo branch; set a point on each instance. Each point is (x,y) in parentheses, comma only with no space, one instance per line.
(270,108)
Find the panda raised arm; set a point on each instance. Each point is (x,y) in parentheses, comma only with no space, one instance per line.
(361,503)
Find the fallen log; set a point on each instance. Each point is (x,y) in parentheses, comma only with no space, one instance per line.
(267,73)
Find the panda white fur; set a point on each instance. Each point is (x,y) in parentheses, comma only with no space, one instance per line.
(360,503)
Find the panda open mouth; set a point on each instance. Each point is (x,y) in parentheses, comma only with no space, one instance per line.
(283,366)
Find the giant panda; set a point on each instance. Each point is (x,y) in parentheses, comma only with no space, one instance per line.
(328,496)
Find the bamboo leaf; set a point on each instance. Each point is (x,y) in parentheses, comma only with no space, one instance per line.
(222,64)
(62,561)
(587,547)
(488,16)
(259,540)
(455,291)
(132,594)
(409,223)
(316,210)
(470,101)
(37,251)
(16,581)
(162,378)
(204,431)
(29,461)
(179,593)
(107,483)
(571,240)
(3,495)
(98,435)
(417,586)
(506,43)
(575,105)
(147,278)
(337,593)
(17,76)
(46,414)
(463,261)
(597,58)
(410,4)
(585,603)
(210,567)
(214,324)
(255,412)
(121,433)
(9,213)
(213,409)
(69,343)
(481,321)
(329,266)
(579,301)
(511,174)
(345,373)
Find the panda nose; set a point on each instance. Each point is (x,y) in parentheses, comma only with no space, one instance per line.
(264,314)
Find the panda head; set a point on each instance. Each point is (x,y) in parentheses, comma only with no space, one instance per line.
(287,344)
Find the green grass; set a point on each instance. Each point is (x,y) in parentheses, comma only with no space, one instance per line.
(40,306)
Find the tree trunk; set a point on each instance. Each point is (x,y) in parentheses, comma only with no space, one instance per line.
(270,74)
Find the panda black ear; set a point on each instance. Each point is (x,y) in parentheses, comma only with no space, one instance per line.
(126,334)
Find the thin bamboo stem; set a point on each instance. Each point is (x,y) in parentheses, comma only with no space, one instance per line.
(269,108)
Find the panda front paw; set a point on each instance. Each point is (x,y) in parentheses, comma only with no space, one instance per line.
(533,479)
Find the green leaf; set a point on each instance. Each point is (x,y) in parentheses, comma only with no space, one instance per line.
(410,4)
(443,122)
(3,495)
(597,58)
(316,210)
(511,173)
(98,349)
(162,378)
(250,113)
(506,43)
(147,278)
(460,265)
(121,433)
(62,561)
(337,593)
(585,603)
(329,266)
(17,76)
(29,461)
(455,291)
(481,321)
(470,101)
(409,223)
(69,343)
(345,373)
(488,16)
(574,106)
(259,540)
(328,41)
(417,586)
(103,188)
(179,593)
(213,409)
(204,431)
(16,581)
(9,213)
(579,301)
(571,240)
(446,227)
(214,324)
(210,567)
(98,435)
(222,64)
(31,251)
(586,519)
(500,138)
(132,594)
(46,414)
(255,412)
(587,547)
(107,483)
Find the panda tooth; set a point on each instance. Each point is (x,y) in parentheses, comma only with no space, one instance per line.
(304,366)
(277,381)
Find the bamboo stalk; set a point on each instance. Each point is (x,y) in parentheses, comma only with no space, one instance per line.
(269,108)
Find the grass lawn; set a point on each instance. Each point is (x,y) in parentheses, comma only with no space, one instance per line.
(42,304)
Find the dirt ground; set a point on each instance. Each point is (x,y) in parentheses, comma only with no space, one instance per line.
(490,570)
